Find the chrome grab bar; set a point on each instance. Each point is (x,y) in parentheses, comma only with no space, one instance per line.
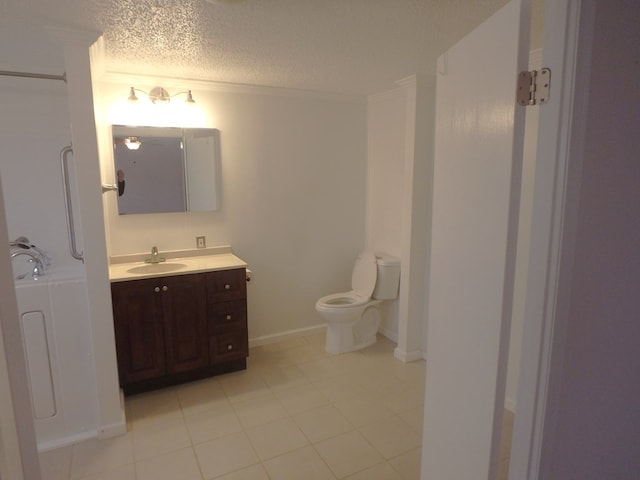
(64,154)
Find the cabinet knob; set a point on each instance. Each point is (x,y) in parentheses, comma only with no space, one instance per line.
(165,288)
(229,347)
(157,289)
(227,286)
(228,316)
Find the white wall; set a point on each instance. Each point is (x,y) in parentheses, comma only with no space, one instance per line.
(293,197)
(386,147)
(34,127)
(400,153)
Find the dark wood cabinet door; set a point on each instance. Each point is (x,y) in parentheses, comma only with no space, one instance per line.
(139,330)
(185,322)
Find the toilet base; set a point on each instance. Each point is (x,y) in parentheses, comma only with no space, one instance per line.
(349,337)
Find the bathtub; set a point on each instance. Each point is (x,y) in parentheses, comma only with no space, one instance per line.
(54,274)
(54,319)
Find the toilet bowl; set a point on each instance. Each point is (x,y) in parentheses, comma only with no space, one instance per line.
(353,317)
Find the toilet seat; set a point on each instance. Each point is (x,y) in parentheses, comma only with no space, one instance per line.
(342,300)
(363,282)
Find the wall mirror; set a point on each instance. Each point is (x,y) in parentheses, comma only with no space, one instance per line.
(162,170)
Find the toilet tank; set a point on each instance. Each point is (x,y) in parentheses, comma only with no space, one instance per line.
(388,279)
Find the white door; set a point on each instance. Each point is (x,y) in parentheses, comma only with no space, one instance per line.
(478,160)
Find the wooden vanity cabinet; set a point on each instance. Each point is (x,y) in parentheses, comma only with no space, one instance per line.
(178,328)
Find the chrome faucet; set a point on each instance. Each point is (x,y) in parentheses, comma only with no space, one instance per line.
(155,257)
(38,268)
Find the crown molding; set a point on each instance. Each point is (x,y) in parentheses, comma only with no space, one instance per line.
(125,78)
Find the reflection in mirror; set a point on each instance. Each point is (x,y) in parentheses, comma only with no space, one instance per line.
(162,170)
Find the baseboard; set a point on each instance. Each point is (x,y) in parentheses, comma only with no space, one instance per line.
(116,428)
(66,441)
(107,431)
(405,356)
(288,335)
(103,432)
(112,430)
(390,334)
(305,332)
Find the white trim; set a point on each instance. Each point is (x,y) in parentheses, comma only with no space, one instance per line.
(103,432)
(390,334)
(315,330)
(535,58)
(66,441)
(415,243)
(561,135)
(287,335)
(408,356)
(117,428)
(112,430)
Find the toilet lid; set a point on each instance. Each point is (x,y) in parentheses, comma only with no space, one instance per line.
(365,272)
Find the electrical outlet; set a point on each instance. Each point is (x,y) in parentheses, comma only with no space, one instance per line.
(201,241)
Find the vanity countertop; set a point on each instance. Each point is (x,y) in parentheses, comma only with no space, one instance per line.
(133,267)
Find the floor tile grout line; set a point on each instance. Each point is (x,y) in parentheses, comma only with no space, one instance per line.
(311,382)
(311,443)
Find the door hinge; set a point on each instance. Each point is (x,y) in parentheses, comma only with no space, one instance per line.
(533,87)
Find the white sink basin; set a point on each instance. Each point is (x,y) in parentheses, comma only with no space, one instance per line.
(156,268)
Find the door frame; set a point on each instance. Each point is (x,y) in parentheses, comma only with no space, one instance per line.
(561,136)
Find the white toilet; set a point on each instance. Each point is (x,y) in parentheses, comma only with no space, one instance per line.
(353,317)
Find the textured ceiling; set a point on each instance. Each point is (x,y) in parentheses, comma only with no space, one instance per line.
(343,46)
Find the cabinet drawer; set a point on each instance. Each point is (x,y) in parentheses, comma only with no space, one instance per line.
(228,346)
(226,285)
(225,316)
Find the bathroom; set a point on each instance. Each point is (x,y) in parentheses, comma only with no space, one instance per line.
(279,150)
(592,442)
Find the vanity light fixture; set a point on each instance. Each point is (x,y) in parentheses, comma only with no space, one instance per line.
(132,143)
(159,95)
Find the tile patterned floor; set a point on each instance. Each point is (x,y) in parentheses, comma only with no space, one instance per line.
(295,413)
